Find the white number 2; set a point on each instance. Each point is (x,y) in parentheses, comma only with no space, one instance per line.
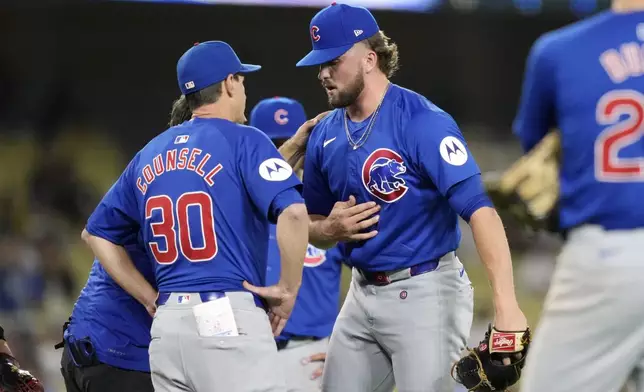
(609,167)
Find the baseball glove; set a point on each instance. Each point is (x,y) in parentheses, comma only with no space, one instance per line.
(483,368)
(529,190)
(14,379)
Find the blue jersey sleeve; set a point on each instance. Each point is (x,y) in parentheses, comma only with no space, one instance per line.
(264,172)
(536,113)
(282,201)
(438,147)
(116,218)
(468,196)
(317,195)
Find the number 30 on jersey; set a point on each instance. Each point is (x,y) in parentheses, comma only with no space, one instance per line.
(609,167)
(176,214)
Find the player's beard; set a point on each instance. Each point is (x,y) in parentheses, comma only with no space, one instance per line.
(349,94)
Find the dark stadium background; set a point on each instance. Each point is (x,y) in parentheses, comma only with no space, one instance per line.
(85,84)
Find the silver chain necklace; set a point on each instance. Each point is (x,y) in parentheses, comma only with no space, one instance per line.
(372,121)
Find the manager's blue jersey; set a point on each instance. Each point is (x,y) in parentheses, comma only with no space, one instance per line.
(317,303)
(117,324)
(203,193)
(587,80)
(408,164)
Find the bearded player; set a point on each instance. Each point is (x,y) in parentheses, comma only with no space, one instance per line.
(587,80)
(408,313)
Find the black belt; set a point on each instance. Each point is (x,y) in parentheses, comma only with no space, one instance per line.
(283,343)
(383,278)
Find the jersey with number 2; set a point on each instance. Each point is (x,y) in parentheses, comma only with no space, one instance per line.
(587,80)
(202,194)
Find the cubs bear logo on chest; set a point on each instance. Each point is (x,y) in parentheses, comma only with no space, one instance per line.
(382,175)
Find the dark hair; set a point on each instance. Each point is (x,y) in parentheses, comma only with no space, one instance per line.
(180,112)
(183,107)
(387,52)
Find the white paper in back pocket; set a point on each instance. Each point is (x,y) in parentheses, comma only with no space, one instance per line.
(215,318)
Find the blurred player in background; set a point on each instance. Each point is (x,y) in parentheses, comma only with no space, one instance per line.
(4,347)
(12,378)
(408,313)
(304,340)
(108,335)
(587,80)
(204,193)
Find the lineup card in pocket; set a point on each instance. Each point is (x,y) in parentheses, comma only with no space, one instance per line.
(215,318)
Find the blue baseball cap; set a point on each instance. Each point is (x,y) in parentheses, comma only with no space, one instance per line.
(335,29)
(278,117)
(208,63)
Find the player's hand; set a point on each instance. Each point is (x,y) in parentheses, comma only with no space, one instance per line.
(280,304)
(151,305)
(510,318)
(304,131)
(319,357)
(347,220)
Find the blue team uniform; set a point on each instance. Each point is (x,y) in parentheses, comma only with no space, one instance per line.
(410,301)
(413,171)
(203,195)
(602,173)
(117,325)
(586,80)
(221,177)
(316,307)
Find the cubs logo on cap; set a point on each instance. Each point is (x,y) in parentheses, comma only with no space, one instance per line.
(278,117)
(335,29)
(382,175)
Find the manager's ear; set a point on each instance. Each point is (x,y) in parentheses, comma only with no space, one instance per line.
(230,84)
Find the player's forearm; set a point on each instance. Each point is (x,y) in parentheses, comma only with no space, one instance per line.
(318,235)
(120,267)
(492,246)
(293,151)
(292,239)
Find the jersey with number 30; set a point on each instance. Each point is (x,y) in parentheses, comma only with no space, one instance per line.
(587,80)
(201,192)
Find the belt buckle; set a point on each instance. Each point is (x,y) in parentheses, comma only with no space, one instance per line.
(382,278)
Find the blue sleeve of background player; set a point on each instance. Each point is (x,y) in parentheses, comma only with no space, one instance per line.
(439,148)
(116,218)
(317,195)
(536,113)
(266,174)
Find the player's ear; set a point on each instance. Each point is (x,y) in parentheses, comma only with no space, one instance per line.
(370,60)
(229,85)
